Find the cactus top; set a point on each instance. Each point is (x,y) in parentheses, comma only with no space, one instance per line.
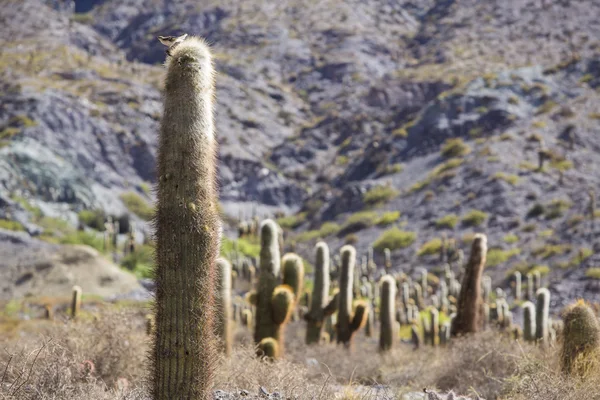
(269,249)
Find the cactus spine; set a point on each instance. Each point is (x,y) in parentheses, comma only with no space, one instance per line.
(541,315)
(387,312)
(348,322)
(581,344)
(76,301)
(188,229)
(320,307)
(224,318)
(469,301)
(274,303)
(529,321)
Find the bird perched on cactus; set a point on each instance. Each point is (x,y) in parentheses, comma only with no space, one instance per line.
(188,228)
(581,340)
(171,42)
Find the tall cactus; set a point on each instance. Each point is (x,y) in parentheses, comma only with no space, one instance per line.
(274,302)
(581,344)
(517,277)
(349,322)
(320,306)
(188,228)
(541,316)
(468,317)
(529,321)
(434,326)
(75,301)
(387,312)
(224,316)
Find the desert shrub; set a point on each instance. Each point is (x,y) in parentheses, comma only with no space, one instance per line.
(291,221)
(83,237)
(529,228)
(388,218)
(140,262)
(379,194)
(536,210)
(445,167)
(498,256)
(575,220)
(327,229)
(92,218)
(431,247)
(394,239)
(546,233)
(351,239)
(592,273)
(11,225)
(509,178)
(358,221)
(474,218)
(246,246)
(449,221)
(137,205)
(556,208)
(550,250)
(511,238)
(455,148)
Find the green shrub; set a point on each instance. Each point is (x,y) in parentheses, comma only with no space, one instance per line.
(445,167)
(529,228)
(92,218)
(550,250)
(140,262)
(499,256)
(474,218)
(535,211)
(388,217)
(431,247)
(11,225)
(542,269)
(137,205)
(291,221)
(546,233)
(359,221)
(509,178)
(455,148)
(246,246)
(393,169)
(379,194)
(394,239)
(556,208)
(82,18)
(593,273)
(511,238)
(23,202)
(449,221)
(82,237)
(327,229)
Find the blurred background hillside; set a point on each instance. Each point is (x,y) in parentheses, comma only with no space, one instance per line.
(407,125)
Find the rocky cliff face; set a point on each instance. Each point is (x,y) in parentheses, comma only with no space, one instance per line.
(319,103)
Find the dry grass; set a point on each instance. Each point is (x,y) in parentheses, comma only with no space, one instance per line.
(53,360)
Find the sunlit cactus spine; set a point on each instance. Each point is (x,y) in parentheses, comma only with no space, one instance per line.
(387,307)
(188,228)
(542,309)
(76,301)
(529,330)
(224,316)
(469,302)
(581,340)
(320,306)
(349,320)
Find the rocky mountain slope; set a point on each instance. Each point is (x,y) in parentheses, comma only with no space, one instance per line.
(327,111)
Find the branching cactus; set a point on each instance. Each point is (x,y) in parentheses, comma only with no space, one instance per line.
(529,321)
(293,274)
(387,312)
(224,316)
(468,317)
(581,344)
(320,307)
(349,322)
(541,316)
(188,228)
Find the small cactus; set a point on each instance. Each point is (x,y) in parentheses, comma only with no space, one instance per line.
(542,311)
(581,344)
(468,318)
(415,337)
(388,258)
(517,277)
(434,326)
(529,331)
(76,301)
(293,273)
(268,347)
(387,313)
